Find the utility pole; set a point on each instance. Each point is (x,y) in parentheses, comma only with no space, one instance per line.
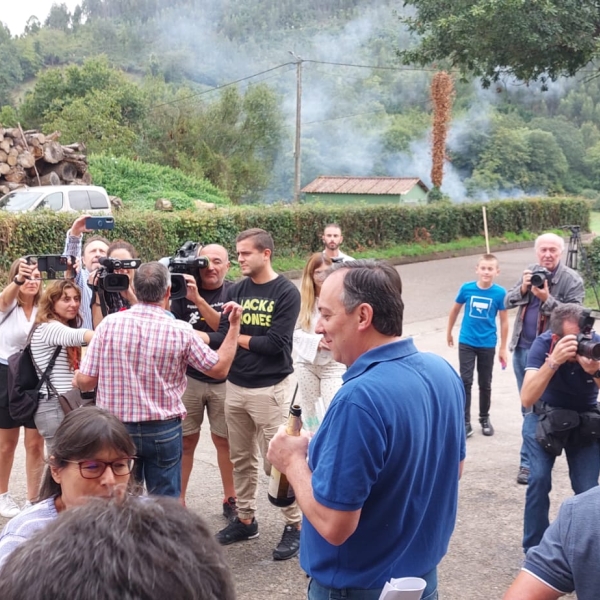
(297,148)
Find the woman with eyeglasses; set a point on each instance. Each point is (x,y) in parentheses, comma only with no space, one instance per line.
(18,310)
(319,376)
(92,456)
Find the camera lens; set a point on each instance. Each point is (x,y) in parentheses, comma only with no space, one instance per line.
(537,280)
(589,349)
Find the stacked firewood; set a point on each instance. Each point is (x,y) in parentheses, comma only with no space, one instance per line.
(30,158)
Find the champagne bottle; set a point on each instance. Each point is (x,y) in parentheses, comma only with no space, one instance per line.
(280,491)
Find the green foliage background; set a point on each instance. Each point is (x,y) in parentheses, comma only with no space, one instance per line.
(141,79)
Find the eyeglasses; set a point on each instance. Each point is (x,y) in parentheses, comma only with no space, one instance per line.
(92,469)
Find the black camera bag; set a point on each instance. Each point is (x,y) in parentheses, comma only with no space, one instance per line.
(589,428)
(554,427)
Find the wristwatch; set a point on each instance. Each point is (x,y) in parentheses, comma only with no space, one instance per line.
(596,375)
(17,282)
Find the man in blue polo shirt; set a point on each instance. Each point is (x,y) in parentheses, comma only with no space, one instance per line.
(379,491)
(566,560)
(557,376)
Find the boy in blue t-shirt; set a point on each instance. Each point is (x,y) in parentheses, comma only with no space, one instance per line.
(483,300)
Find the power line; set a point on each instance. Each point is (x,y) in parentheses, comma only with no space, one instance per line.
(254,75)
(339,64)
(220,87)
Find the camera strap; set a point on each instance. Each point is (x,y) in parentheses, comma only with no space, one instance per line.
(103,305)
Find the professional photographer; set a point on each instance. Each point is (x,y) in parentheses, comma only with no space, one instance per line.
(543,287)
(201,308)
(561,383)
(105,302)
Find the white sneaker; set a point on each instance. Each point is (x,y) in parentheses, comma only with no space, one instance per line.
(28,504)
(8,507)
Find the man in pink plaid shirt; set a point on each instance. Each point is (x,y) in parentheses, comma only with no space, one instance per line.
(138,360)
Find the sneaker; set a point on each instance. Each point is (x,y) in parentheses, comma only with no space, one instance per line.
(486,426)
(523,476)
(230,511)
(289,545)
(237,531)
(8,507)
(28,504)
(468,429)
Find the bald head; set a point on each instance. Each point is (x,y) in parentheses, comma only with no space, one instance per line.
(212,277)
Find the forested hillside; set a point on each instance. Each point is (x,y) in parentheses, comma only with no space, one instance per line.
(209,87)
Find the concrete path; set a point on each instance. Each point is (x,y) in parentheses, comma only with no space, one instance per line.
(485,551)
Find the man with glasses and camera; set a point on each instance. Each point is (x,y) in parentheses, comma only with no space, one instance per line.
(543,287)
(561,383)
(138,363)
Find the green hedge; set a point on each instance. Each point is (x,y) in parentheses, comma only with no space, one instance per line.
(297,230)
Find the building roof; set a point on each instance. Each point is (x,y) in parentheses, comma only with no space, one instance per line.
(381,186)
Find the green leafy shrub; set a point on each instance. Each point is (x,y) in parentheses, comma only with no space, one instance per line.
(140,184)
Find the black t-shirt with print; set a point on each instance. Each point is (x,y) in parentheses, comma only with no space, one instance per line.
(186,310)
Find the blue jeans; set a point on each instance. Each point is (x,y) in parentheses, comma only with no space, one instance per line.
(584,468)
(159,446)
(519,364)
(318,592)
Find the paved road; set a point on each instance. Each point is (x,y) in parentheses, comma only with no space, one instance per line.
(485,553)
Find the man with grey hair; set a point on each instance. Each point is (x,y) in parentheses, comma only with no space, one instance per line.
(138,363)
(561,385)
(379,490)
(553,284)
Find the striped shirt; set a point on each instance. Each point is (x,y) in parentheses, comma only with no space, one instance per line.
(44,341)
(20,528)
(140,357)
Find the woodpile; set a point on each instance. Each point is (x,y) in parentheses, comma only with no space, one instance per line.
(30,158)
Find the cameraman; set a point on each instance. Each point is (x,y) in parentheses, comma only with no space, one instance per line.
(202,309)
(558,376)
(104,302)
(535,306)
(95,247)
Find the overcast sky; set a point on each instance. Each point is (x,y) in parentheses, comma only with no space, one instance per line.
(15,13)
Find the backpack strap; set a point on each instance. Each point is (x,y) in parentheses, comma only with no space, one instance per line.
(46,374)
(10,312)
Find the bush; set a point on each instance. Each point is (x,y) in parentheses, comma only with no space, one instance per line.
(297,230)
(140,184)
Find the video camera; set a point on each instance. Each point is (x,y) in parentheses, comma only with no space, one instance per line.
(186,261)
(109,281)
(183,262)
(538,276)
(586,346)
(53,264)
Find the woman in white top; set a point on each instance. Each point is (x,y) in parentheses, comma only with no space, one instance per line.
(57,323)
(18,308)
(319,376)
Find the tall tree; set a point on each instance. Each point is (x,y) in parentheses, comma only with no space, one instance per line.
(530,39)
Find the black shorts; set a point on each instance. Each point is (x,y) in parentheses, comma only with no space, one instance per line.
(6,421)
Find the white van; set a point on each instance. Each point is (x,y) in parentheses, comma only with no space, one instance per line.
(90,199)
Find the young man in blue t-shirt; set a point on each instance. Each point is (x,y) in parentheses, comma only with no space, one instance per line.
(483,300)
